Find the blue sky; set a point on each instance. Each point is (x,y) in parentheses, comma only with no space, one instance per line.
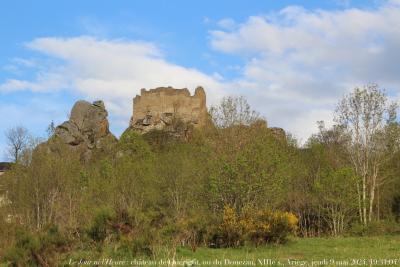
(293,60)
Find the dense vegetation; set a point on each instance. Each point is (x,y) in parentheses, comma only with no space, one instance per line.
(232,184)
(344,251)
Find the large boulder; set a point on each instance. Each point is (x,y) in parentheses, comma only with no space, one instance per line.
(87,129)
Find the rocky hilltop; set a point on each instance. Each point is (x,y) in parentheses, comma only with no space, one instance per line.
(174,111)
(164,108)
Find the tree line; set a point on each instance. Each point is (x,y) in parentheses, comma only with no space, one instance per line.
(233,183)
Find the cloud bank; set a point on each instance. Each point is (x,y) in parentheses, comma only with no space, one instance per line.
(297,64)
(112,70)
(300,62)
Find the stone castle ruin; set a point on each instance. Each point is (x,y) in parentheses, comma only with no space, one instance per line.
(162,108)
(174,111)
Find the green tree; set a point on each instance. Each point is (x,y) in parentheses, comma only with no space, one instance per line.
(233,111)
(364,114)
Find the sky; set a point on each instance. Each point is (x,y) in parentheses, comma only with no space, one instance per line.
(292,60)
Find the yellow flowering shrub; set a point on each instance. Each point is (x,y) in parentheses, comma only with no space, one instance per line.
(229,232)
(292,220)
(255,226)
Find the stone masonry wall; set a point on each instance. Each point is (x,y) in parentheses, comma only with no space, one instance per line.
(156,108)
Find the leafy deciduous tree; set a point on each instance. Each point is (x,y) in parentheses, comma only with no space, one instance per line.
(364,115)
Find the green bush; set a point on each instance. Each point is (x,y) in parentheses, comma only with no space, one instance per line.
(100,228)
(195,230)
(40,249)
(375,228)
(26,245)
(133,144)
(130,246)
(142,244)
(118,228)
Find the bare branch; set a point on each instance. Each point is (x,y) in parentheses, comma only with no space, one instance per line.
(17,141)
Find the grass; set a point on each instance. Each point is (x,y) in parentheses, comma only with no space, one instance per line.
(350,251)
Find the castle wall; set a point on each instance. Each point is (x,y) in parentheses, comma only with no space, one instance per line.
(163,103)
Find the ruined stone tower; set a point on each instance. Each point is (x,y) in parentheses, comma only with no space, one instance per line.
(160,108)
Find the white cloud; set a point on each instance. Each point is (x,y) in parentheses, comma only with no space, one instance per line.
(45,82)
(300,62)
(227,23)
(112,70)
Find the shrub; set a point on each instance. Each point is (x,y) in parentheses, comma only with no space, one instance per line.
(41,249)
(229,232)
(142,244)
(22,253)
(257,227)
(118,227)
(195,229)
(130,246)
(133,144)
(266,226)
(375,228)
(100,227)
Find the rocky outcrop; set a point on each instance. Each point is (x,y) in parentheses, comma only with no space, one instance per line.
(169,109)
(86,129)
